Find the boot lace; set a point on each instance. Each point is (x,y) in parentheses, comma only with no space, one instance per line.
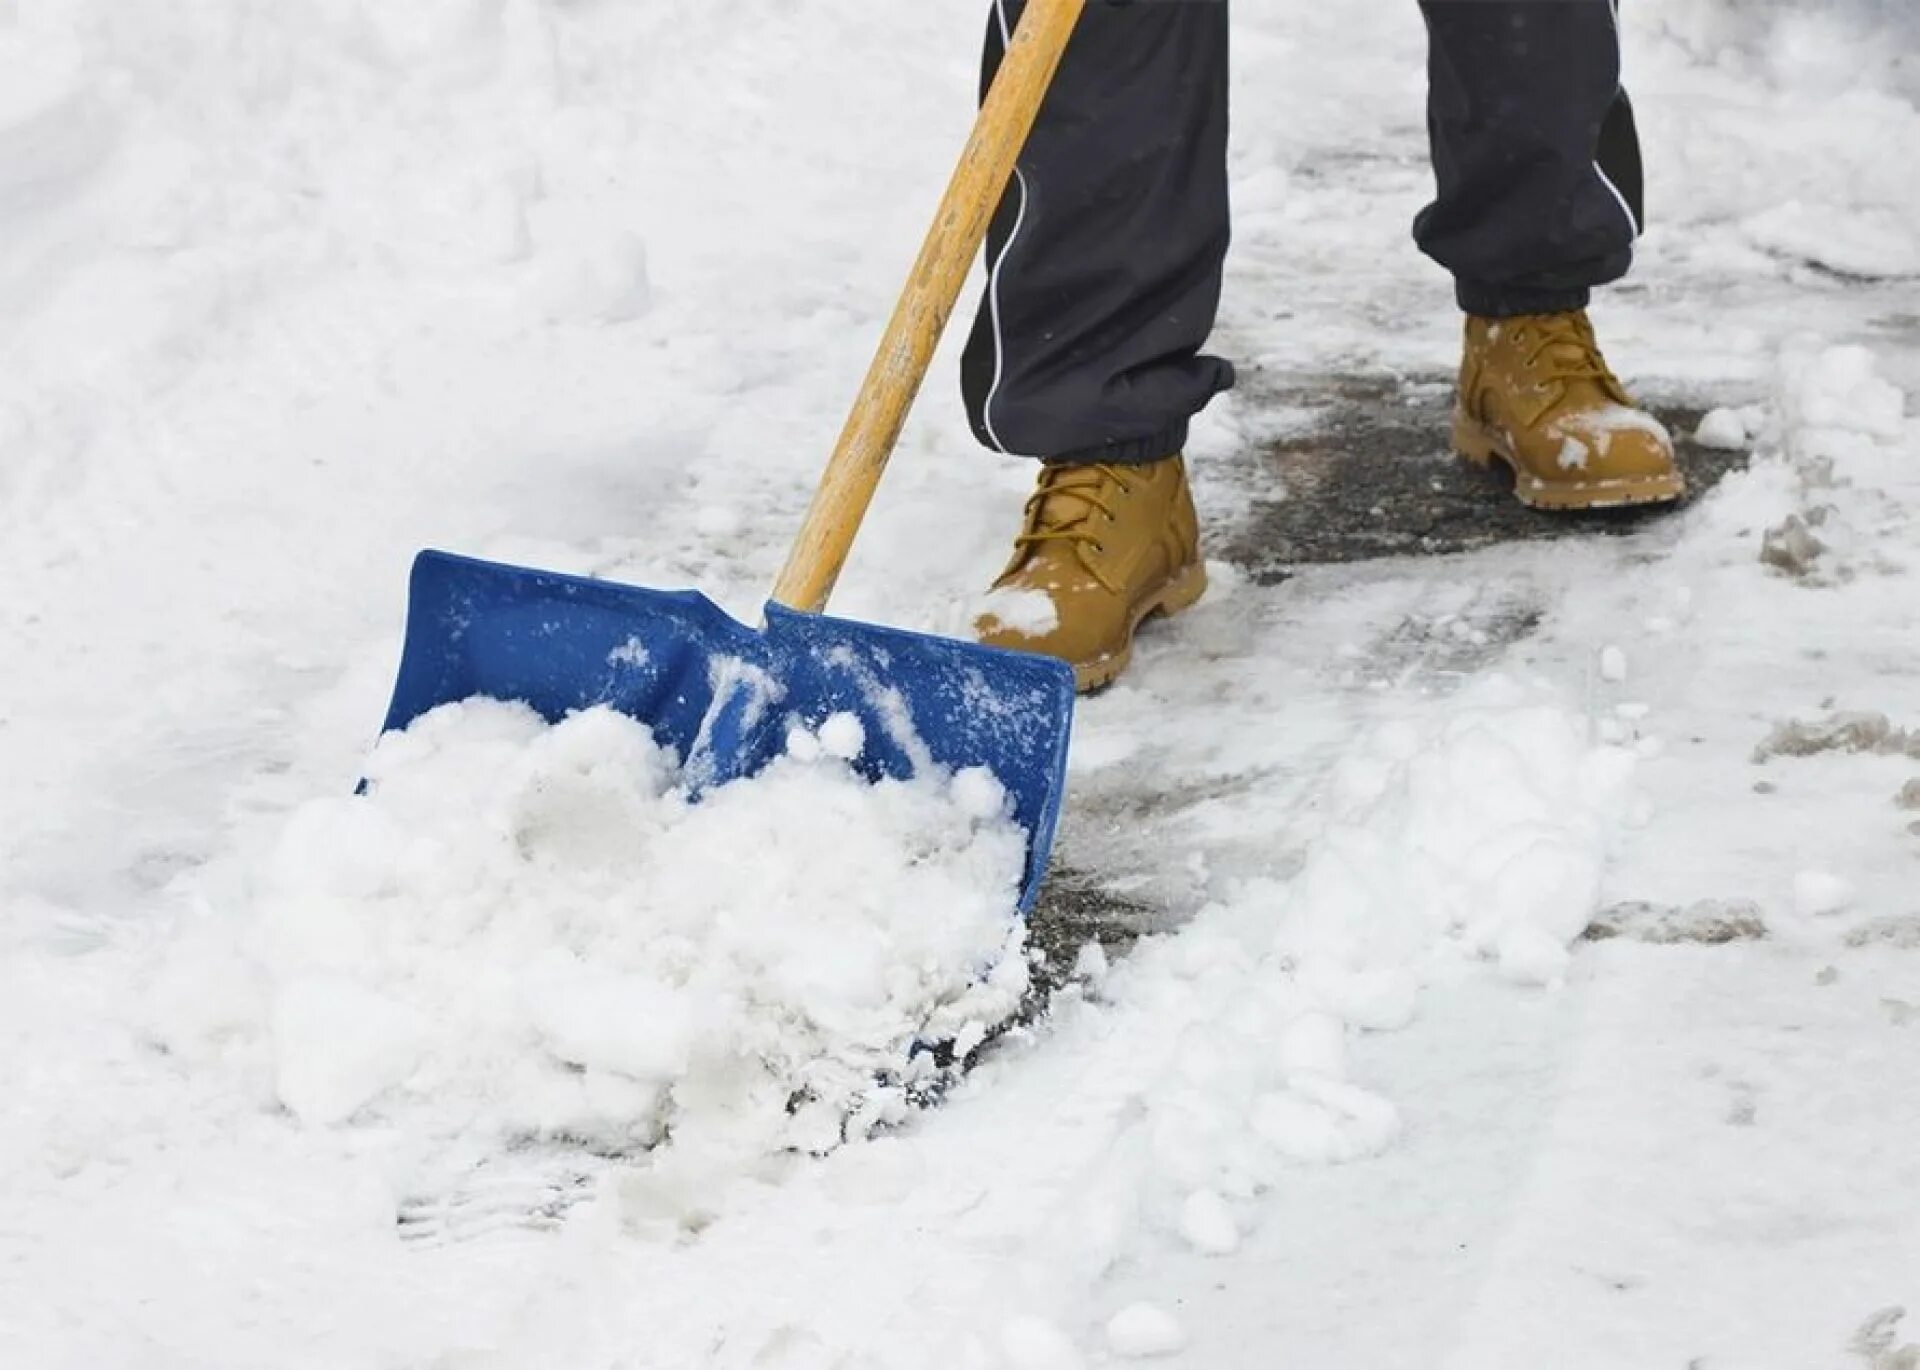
(1564,351)
(1063,508)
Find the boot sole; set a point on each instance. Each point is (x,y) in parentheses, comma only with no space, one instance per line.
(1180,593)
(1483,446)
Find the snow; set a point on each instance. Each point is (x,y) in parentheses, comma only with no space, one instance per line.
(296,1078)
(337,1045)
(522,932)
(1141,1330)
(1031,1343)
(1013,609)
(1090,963)
(1207,1223)
(843,737)
(1589,435)
(1723,429)
(1869,246)
(1818,893)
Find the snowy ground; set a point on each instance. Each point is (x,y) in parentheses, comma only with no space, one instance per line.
(290,291)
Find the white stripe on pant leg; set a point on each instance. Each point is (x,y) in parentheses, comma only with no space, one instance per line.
(1619,65)
(993,276)
(993,307)
(1633,220)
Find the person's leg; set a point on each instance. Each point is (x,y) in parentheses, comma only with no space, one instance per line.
(1105,258)
(1534,153)
(1104,271)
(1539,200)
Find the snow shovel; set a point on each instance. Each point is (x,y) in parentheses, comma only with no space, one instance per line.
(725,695)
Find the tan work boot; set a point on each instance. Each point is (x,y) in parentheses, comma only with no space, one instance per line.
(1536,394)
(1104,548)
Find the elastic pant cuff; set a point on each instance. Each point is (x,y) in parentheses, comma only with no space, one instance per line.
(1168,442)
(1506,302)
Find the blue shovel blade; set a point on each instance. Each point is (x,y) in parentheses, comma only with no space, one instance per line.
(724,695)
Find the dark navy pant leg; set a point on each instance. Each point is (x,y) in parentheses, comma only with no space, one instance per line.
(1534,153)
(1105,258)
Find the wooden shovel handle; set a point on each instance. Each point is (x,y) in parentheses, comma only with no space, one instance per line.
(1006,118)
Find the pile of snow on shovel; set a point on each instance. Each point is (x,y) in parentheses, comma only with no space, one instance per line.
(529,931)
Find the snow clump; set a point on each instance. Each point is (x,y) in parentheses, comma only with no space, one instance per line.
(530,931)
(1144,1329)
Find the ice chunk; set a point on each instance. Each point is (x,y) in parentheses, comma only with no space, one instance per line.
(843,736)
(1723,430)
(979,793)
(1208,1225)
(1323,1120)
(1142,1330)
(1817,893)
(803,745)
